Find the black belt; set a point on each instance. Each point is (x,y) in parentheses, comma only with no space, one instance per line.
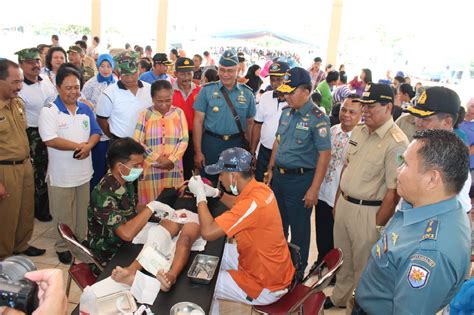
(362,202)
(12,162)
(223,137)
(358,310)
(293,171)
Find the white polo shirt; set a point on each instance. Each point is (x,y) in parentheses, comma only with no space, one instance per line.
(268,114)
(55,121)
(122,108)
(36,95)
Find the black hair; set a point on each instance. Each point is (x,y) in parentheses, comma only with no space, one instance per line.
(460,118)
(445,151)
(328,66)
(406,88)
(316,97)
(97,39)
(206,53)
(174,51)
(145,63)
(139,49)
(127,45)
(120,150)
(85,38)
(159,85)
(308,87)
(343,77)
(41,47)
(198,56)
(368,75)
(55,37)
(332,76)
(68,69)
(82,44)
(147,47)
(318,59)
(247,174)
(49,56)
(400,79)
(5,64)
(211,75)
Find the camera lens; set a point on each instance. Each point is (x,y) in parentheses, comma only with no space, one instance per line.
(14,268)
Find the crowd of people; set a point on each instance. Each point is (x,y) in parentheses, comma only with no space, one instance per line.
(93,140)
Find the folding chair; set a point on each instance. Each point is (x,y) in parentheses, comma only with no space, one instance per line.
(81,273)
(307,296)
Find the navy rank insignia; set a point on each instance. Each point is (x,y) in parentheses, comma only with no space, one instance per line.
(431,230)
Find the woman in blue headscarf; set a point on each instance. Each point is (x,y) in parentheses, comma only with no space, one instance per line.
(91,91)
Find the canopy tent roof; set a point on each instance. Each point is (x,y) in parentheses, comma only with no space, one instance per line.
(252,34)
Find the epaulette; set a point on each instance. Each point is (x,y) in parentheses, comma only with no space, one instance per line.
(248,87)
(398,135)
(431,230)
(317,112)
(210,83)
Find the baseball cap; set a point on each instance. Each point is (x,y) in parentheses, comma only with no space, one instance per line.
(376,92)
(161,58)
(278,69)
(184,64)
(229,58)
(127,62)
(231,160)
(436,99)
(294,77)
(28,54)
(75,49)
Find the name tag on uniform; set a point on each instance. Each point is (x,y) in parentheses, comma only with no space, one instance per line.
(302,126)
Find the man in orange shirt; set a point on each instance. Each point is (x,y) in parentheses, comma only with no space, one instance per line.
(185,91)
(257,269)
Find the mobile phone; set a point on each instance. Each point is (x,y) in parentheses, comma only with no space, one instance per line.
(76,153)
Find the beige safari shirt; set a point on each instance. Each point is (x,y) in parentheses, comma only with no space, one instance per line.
(406,123)
(372,161)
(13,139)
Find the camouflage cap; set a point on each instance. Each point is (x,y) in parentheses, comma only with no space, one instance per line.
(231,160)
(75,49)
(28,54)
(127,62)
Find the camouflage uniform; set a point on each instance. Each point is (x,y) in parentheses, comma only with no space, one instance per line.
(39,159)
(111,205)
(87,72)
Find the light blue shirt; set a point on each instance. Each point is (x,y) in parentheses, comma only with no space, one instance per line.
(419,262)
(150,77)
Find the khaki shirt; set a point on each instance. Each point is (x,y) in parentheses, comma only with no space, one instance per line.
(406,123)
(372,161)
(13,140)
(88,68)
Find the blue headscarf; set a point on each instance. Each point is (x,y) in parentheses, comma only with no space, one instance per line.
(106,57)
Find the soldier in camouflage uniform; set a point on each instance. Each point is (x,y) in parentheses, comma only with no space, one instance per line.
(76,57)
(37,90)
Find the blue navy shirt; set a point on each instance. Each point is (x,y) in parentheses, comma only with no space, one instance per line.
(301,135)
(218,116)
(150,77)
(419,262)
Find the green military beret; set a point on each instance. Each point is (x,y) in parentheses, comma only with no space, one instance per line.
(75,49)
(28,54)
(229,58)
(127,62)
(184,64)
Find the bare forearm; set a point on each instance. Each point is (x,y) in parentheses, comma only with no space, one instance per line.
(104,125)
(256,131)
(197,135)
(228,200)
(131,228)
(387,208)
(93,140)
(62,144)
(272,158)
(206,222)
(248,132)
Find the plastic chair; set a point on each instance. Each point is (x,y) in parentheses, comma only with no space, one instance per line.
(81,273)
(307,296)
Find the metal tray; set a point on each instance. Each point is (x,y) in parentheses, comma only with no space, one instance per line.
(203,268)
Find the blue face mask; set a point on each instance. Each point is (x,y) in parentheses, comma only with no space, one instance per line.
(134,173)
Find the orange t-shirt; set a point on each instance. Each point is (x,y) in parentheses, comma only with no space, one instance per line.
(264,257)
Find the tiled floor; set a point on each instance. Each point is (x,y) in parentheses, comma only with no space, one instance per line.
(42,238)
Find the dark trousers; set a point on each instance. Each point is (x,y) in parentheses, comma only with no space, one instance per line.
(263,159)
(188,159)
(99,162)
(212,147)
(39,161)
(289,191)
(324,229)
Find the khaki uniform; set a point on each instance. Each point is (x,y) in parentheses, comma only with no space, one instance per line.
(17,210)
(407,125)
(88,68)
(371,168)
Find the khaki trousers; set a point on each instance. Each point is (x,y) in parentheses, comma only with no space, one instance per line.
(69,205)
(17,210)
(355,233)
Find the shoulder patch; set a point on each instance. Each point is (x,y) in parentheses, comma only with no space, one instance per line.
(431,230)
(248,87)
(398,135)
(430,262)
(317,112)
(418,276)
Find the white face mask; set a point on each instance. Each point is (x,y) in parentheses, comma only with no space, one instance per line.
(233,188)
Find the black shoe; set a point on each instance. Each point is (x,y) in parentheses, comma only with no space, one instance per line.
(328,304)
(32,251)
(45,218)
(65,257)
